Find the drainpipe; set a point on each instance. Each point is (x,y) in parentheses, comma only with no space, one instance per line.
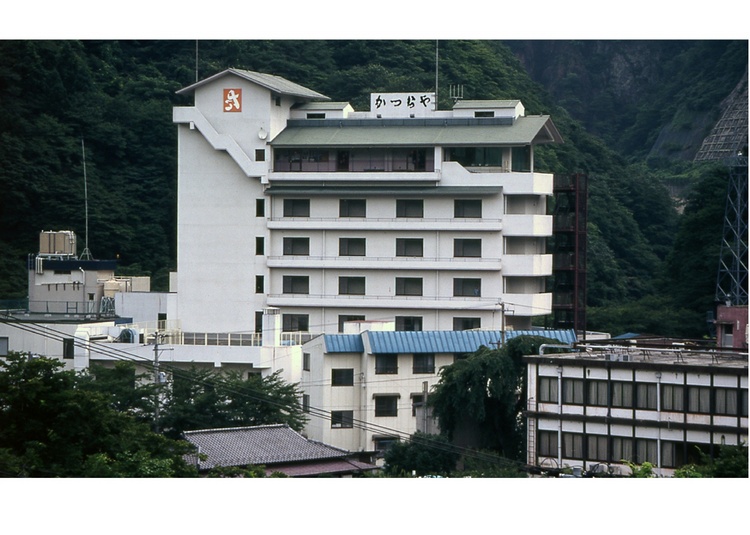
(658,417)
(559,413)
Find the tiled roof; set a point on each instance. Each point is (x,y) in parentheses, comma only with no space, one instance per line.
(259,445)
(452,341)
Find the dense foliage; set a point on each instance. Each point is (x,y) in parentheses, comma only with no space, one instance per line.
(114,99)
(479,399)
(51,425)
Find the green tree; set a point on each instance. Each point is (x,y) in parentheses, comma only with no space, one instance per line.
(484,395)
(50,426)
(421,455)
(204,399)
(730,462)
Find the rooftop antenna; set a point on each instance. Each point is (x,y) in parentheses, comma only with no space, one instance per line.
(457,92)
(436,74)
(86,254)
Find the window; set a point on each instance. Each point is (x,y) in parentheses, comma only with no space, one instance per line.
(475,156)
(672,398)
(484,114)
(260,155)
(408,323)
(297,246)
(725,400)
(409,208)
(597,448)
(386,405)
(408,286)
(645,451)
(622,449)
(346,318)
(383,443)
(597,393)
(467,248)
(351,285)
(260,285)
(467,287)
(467,208)
(342,377)
(699,399)
(572,445)
(423,363)
(548,443)
(260,245)
(352,208)
(352,247)
(306,361)
(68,348)
(386,363)
(646,396)
(466,324)
(672,454)
(622,394)
(342,419)
(296,207)
(409,247)
(295,322)
(572,391)
(260,207)
(311,115)
(547,390)
(296,284)
(305,402)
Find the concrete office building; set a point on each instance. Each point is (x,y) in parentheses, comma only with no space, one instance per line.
(435,219)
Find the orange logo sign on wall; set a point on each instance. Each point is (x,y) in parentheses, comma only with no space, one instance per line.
(232,100)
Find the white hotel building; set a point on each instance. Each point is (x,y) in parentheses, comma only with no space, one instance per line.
(428,217)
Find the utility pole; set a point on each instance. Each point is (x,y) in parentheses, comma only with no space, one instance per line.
(502,321)
(424,406)
(158,379)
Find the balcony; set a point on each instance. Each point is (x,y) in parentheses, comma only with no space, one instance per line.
(539,304)
(395,223)
(527,225)
(519,265)
(384,262)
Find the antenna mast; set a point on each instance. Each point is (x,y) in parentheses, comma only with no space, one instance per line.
(86,254)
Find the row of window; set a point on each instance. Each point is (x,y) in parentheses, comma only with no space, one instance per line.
(385,364)
(677,398)
(612,449)
(386,405)
(462,208)
(404,286)
(301,322)
(411,247)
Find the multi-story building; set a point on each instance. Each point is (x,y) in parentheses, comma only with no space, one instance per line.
(365,390)
(602,408)
(434,218)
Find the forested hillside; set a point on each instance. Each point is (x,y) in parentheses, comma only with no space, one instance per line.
(610,101)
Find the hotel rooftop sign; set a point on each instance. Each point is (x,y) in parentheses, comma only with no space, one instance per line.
(402,104)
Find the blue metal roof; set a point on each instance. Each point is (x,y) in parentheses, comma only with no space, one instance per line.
(452,341)
(343,343)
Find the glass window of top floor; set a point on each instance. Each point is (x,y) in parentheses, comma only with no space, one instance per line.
(398,159)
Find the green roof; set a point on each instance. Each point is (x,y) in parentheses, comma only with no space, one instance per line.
(525,131)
